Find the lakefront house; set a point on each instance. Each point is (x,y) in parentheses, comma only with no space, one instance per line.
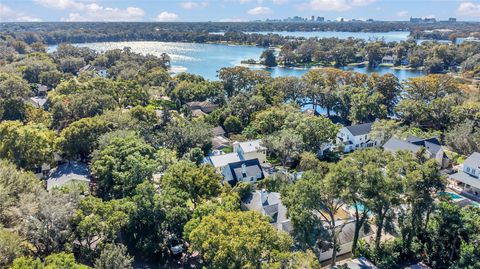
(356,137)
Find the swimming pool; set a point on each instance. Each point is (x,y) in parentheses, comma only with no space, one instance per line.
(452,195)
(457,198)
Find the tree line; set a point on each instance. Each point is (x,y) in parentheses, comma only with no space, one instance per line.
(151,191)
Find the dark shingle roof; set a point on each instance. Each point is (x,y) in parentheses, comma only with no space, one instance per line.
(360,129)
(252,168)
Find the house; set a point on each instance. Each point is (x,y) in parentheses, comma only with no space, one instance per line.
(268,204)
(218,131)
(252,149)
(42,90)
(358,263)
(222,160)
(100,71)
(205,107)
(219,141)
(419,265)
(388,59)
(356,137)
(434,150)
(468,176)
(38,101)
(67,173)
(345,239)
(243,171)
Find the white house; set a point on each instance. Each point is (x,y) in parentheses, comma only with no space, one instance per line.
(269,204)
(468,177)
(222,160)
(251,150)
(356,137)
(243,171)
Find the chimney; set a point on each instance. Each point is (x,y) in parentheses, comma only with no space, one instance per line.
(244,170)
(264,196)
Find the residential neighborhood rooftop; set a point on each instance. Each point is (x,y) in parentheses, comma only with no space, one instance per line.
(68,172)
(360,129)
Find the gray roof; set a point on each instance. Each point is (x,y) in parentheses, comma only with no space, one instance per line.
(466,178)
(348,232)
(42,88)
(473,160)
(219,161)
(360,129)
(358,263)
(220,142)
(252,169)
(67,172)
(38,102)
(272,207)
(218,131)
(394,144)
(431,144)
(419,265)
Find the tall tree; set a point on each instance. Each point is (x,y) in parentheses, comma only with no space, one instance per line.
(122,164)
(221,239)
(198,182)
(316,198)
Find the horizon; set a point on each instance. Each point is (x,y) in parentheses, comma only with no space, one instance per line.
(233,10)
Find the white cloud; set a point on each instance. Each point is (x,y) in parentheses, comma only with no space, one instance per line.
(193,5)
(167,16)
(260,11)
(362,2)
(279,2)
(469,9)
(402,13)
(95,12)
(333,5)
(8,14)
(62,4)
(88,10)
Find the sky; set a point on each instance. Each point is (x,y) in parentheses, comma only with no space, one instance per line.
(233,10)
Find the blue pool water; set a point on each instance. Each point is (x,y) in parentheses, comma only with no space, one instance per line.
(452,195)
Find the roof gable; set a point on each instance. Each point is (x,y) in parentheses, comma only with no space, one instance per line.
(360,129)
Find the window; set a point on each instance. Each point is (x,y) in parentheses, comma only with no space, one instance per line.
(468,169)
(365,137)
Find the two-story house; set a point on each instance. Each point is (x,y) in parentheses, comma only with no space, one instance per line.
(252,149)
(243,171)
(356,137)
(468,177)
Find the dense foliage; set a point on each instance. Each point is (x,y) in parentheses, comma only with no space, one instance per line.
(152,199)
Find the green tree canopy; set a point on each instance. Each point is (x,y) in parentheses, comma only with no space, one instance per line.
(222,240)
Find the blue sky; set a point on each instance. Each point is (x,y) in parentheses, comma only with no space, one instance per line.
(232,10)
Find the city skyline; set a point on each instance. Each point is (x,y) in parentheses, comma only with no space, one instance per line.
(233,10)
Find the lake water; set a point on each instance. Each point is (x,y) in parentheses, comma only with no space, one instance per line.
(206,59)
(387,36)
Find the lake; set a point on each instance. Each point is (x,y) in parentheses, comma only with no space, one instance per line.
(206,59)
